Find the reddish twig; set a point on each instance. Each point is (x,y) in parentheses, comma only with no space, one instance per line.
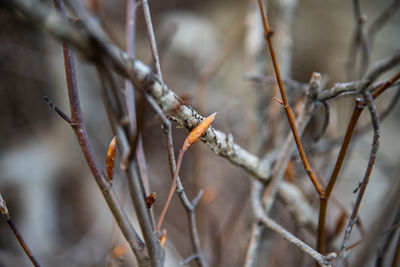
(194,135)
(7,217)
(77,125)
(288,110)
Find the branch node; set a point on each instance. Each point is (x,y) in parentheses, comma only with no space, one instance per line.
(56,109)
(269,34)
(196,200)
(190,258)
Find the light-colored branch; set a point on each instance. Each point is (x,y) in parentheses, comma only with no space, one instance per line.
(357,86)
(274,226)
(94,41)
(152,38)
(374,150)
(135,183)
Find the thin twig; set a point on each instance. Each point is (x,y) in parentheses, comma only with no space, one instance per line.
(130,33)
(289,83)
(7,217)
(381,20)
(396,257)
(271,224)
(389,235)
(126,227)
(286,106)
(374,150)
(59,111)
(357,86)
(171,192)
(358,42)
(135,184)
(189,206)
(341,156)
(152,38)
(255,238)
(382,219)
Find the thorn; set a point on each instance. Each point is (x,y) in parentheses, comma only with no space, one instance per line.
(278,101)
(269,34)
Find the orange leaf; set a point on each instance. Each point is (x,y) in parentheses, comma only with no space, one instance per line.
(163,238)
(150,200)
(198,131)
(110,158)
(118,251)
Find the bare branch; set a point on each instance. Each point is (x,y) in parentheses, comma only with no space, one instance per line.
(152,38)
(358,42)
(381,20)
(357,86)
(143,79)
(374,150)
(7,217)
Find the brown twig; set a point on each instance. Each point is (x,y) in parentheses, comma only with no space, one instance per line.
(288,110)
(340,159)
(128,144)
(7,217)
(187,204)
(171,192)
(77,125)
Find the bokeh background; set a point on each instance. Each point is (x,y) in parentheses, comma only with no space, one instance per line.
(49,189)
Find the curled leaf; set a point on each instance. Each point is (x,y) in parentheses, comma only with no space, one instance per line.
(150,200)
(163,238)
(110,158)
(198,131)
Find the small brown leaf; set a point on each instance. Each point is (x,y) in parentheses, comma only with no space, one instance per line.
(110,158)
(163,238)
(150,200)
(198,131)
(118,251)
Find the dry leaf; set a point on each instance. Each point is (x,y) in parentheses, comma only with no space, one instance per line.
(150,200)
(110,158)
(118,251)
(198,131)
(163,238)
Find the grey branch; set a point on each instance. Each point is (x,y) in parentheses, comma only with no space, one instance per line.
(358,86)
(93,41)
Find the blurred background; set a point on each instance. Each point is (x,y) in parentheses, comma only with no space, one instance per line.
(204,52)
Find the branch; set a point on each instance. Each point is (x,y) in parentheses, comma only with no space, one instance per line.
(271,224)
(285,103)
(105,187)
(135,183)
(152,38)
(7,217)
(357,86)
(374,150)
(381,20)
